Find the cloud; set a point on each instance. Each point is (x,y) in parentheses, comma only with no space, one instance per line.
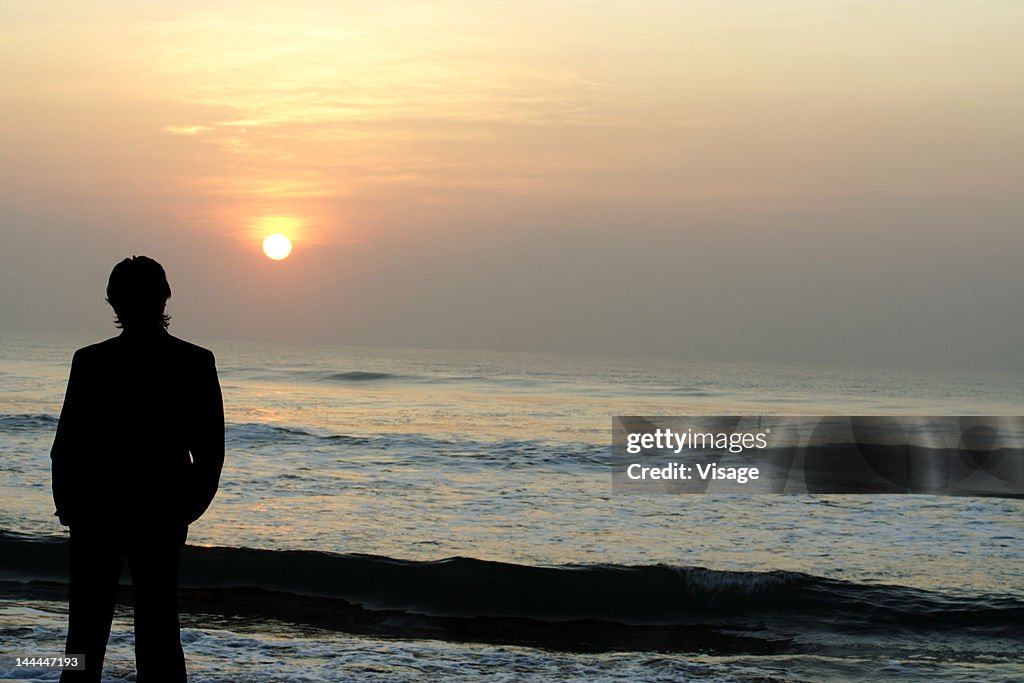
(186,130)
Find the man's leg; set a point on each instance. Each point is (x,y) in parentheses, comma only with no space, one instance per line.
(154,558)
(96,562)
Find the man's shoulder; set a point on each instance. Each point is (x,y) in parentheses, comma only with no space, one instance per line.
(94,350)
(187,348)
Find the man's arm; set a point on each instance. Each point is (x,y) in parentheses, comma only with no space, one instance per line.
(207,443)
(66,442)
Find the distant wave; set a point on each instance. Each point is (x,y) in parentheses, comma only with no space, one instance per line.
(246,432)
(691,391)
(641,602)
(359,376)
(363,376)
(27,422)
(505,453)
(333,376)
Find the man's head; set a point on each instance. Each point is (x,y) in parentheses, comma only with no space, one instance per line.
(138,292)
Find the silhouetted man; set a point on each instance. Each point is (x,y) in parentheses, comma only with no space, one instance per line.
(136,459)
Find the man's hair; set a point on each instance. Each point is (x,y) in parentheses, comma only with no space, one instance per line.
(138,292)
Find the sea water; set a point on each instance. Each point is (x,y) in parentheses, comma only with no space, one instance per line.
(395,514)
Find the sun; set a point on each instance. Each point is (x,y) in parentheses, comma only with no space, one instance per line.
(277,246)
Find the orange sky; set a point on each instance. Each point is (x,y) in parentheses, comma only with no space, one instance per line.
(507,156)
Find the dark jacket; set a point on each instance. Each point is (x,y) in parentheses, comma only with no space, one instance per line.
(141,434)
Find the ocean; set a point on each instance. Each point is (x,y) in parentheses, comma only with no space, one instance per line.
(402,515)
